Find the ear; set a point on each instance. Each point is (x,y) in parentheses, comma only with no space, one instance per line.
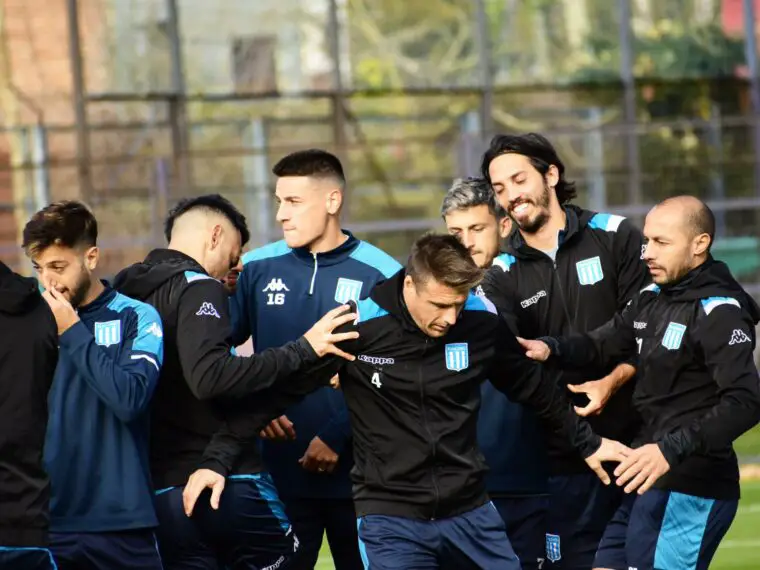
(505,224)
(408,282)
(216,235)
(334,201)
(91,258)
(552,176)
(700,244)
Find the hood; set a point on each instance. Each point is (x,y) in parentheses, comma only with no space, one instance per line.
(576,220)
(389,295)
(712,279)
(17,293)
(141,279)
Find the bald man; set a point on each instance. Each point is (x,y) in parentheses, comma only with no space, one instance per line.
(694,332)
(202,389)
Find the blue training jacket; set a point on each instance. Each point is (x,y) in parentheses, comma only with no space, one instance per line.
(510,438)
(281,293)
(96,446)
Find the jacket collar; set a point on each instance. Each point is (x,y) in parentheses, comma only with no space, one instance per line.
(576,220)
(340,253)
(99,302)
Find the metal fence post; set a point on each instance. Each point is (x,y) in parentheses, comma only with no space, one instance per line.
(40,156)
(750,51)
(594,142)
(177,106)
(258,201)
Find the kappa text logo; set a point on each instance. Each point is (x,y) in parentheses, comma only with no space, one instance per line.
(208,310)
(376,360)
(532,300)
(738,337)
(639,326)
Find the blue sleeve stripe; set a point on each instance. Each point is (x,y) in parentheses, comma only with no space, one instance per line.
(150,334)
(505,261)
(606,222)
(369,310)
(275,249)
(654,288)
(712,303)
(192,276)
(377,258)
(479,303)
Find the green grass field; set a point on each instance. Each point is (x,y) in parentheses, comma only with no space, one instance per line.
(740,549)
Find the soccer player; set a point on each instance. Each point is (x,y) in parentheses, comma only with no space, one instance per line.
(694,332)
(96,452)
(508,433)
(28,355)
(283,289)
(566,269)
(425,345)
(201,385)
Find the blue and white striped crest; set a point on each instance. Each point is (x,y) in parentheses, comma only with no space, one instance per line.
(457,356)
(107,333)
(553,552)
(589,271)
(347,290)
(673,336)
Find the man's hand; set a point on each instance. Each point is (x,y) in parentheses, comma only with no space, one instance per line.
(642,468)
(321,337)
(200,481)
(319,458)
(535,349)
(598,392)
(610,450)
(279,429)
(335,382)
(64,313)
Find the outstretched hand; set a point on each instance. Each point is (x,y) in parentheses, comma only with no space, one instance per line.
(535,349)
(321,336)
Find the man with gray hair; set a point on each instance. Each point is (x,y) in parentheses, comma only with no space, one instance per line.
(509,435)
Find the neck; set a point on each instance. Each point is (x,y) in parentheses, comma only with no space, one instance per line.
(96,288)
(546,237)
(330,239)
(190,250)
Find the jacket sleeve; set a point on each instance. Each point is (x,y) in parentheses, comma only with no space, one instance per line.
(632,272)
(497,287)
(246,417)
(726,338)
(240,308)
(125,385)
(203,344)
(610,344)
(527,382)
(337,433)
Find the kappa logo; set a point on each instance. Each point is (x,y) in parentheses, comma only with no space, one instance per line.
(107,333)
(532,300)
(376,360)
(155,330)
(208,310)
(738,337)
(275,286)
(639,326)
(479,291)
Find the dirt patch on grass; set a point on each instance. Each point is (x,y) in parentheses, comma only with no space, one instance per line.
(750,472)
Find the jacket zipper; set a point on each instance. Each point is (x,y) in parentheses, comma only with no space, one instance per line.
(570,322)
(313,275)
(430,435)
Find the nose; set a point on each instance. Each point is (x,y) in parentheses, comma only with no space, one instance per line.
(282,213)
(468,239)
(450,316)
(648,254)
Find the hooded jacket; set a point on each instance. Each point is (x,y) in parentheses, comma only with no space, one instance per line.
(413,402)
(199,366)
(698,387)
(28,355)
(597,269)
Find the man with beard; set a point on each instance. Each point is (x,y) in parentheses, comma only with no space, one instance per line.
(698,390)
(96,449)
(508,433)
(565,270)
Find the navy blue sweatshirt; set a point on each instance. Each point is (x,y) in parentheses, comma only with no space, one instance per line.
(96,448)
(280,294)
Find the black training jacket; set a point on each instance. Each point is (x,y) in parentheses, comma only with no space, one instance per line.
(413,401)
(202,381)
(28,357)
(698,387)
(598,269)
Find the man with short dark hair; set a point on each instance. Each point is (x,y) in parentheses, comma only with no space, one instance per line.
(202,385)
(283,289)
(96,448)
(508,433)
(693,331)
(565,269)
(28,356)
